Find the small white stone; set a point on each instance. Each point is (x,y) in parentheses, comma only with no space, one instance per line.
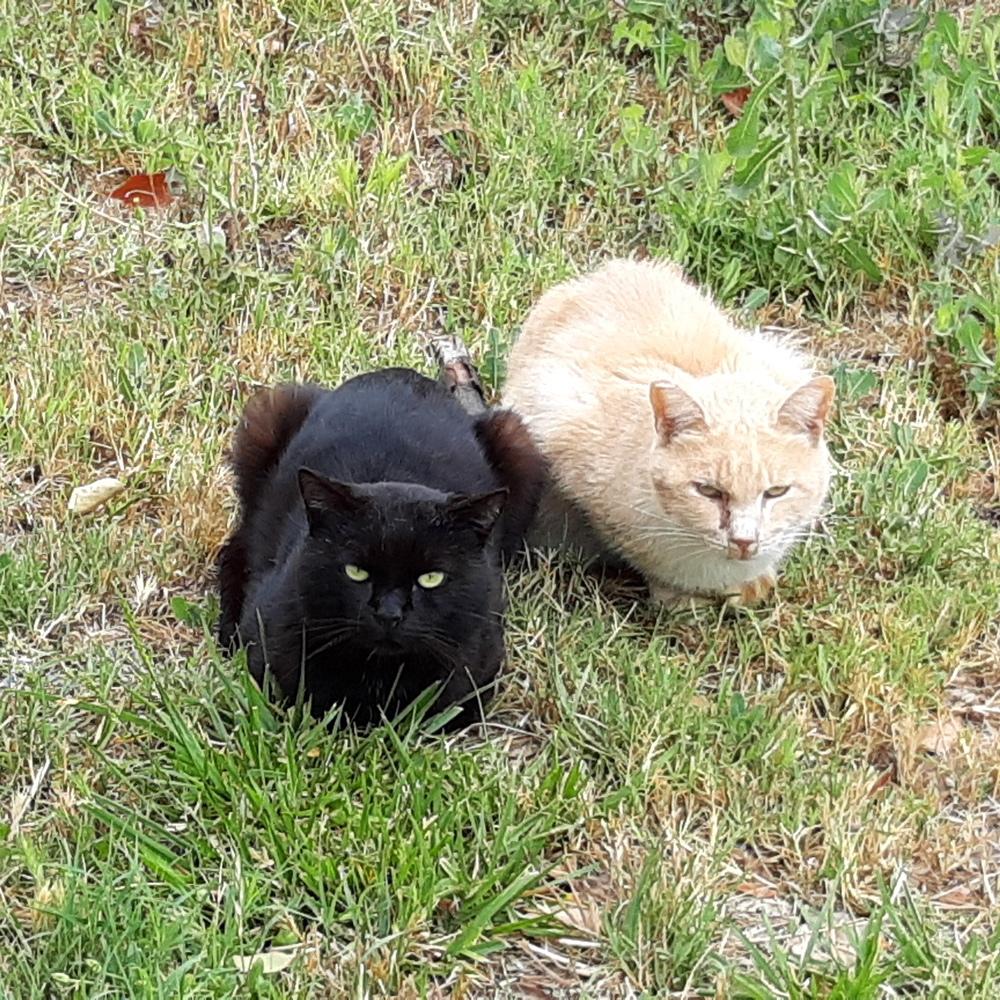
(85,499)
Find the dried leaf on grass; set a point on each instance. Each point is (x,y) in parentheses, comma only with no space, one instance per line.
(147,190)
(959,897)
(142,27)
(834,941)
(269,962)
(735,99)
(760,890)
(938,737)
(883,780)
(580,916)
(900,31)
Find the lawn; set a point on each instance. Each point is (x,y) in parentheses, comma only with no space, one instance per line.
(798,801)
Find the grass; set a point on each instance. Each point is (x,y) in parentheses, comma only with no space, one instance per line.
(799,802)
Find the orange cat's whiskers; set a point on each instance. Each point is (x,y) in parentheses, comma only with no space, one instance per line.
(666,527)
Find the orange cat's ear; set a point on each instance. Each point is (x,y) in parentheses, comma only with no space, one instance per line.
(674,411)
(806,410)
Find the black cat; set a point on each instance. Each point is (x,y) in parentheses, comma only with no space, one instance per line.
(366,565)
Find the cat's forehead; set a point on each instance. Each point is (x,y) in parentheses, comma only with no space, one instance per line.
(735,400)
(407,522)
(400,524)
(754,458)
(401,510)
(414,497)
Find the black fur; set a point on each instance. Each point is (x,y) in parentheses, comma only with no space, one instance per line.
(387,473)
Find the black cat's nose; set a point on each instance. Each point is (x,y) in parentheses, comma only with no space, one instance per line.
(388,609)
(389,618)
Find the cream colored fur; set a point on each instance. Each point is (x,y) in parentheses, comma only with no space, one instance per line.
(644,397)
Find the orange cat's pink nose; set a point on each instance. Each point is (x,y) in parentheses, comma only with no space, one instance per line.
(742,548)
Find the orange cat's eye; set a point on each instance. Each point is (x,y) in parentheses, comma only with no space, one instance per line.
(710,491)
(776,491)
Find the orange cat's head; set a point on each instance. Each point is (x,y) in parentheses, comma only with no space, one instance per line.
(740,464)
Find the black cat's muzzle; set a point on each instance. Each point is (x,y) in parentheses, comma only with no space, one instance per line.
(388,609)
(387,646)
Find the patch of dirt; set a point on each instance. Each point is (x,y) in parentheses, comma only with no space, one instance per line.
(277,243)
(541,970)
(982,488)
(26,496)
(954,759)
(144,33)
(953,396)
(882,327)
(441,155)
(671,108)
(991,515)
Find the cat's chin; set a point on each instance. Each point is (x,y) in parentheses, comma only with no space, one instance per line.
(387,647)
(717,574)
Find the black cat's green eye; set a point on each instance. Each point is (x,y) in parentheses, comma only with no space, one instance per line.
(356,573)
(776,491)
(709,491)
(430,580)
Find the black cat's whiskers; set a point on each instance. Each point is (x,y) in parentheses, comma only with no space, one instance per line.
(319,624)
(491,616)
(440,644)
(333,639)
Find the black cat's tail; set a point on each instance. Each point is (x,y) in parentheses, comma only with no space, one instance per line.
(271,419)
(519,464)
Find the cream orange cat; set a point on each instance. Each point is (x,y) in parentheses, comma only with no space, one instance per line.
(686,446)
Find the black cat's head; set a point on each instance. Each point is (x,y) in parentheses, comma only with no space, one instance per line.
(397,567)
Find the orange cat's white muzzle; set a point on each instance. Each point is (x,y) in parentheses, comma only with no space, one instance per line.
(743,535)
(742,548)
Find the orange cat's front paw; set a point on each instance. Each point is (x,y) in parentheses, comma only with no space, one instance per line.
(754,591)
(748,594)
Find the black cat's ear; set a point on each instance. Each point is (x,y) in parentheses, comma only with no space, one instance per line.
(323,496)
(477,512)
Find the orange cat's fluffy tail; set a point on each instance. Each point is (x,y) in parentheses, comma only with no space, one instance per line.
(270,420)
